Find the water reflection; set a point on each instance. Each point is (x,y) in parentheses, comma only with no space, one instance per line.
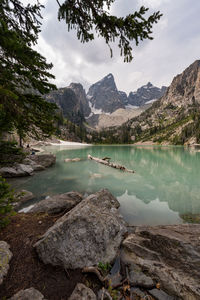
(166,182)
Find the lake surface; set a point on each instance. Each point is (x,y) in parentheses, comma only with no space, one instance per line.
(165,185)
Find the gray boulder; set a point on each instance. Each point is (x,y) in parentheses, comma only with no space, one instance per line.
(57,203)
(160,295)
(88,234)
(81,292)
(44,160)
(5,257)
(170,254)
(33,164)
(18,170)
(30,164)
(28,294)
(21,197)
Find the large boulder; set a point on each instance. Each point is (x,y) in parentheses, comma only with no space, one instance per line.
(44,160)
(57,203)
(5,257)
(30,164)
(18,170)
(81,292)
(88,234)
(170,254)
(28,294)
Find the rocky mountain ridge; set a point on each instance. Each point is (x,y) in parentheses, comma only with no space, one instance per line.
(146,94)
(174,118)
(103,97)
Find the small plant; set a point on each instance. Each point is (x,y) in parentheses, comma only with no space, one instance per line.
(113,293)
(6,198)
(105,268)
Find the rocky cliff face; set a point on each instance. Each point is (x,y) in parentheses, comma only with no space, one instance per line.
(72,101)
(146,94)
(175,117)
(81,96)
(104,96)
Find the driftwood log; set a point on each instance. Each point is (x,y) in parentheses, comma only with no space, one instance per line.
(110,164)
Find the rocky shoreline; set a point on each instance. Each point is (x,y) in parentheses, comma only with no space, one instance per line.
(28,166)
(160,262)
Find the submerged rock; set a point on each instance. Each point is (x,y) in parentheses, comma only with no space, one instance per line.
(88,234)
(81,292)
(170,254)
(72,159)
(28,294)
(5,257)
(57,203)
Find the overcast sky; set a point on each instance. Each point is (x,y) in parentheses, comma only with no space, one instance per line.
(175,46)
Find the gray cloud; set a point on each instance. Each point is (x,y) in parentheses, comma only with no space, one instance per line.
(176,44)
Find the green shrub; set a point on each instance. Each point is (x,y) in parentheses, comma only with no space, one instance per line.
(6,198)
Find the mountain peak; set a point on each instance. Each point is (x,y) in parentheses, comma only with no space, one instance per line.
(149,84)
(110,75)
(104,96)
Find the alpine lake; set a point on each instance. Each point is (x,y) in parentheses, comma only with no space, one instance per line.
(163,190)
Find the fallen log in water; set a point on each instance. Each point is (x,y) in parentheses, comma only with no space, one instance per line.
(110,164)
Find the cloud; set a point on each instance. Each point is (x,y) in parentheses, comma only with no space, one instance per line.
(176,44)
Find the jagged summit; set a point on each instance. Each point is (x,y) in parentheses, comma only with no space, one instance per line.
(104,97)
(145,94)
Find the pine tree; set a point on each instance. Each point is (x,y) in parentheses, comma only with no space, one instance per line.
(89,16)
(24,76)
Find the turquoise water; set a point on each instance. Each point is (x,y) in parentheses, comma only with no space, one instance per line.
(164,186)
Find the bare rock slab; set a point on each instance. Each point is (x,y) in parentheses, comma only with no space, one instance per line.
(160,295)
(170,254)
(57,203)
(88,234)
(5,257)
(44,160)
(81,292)
(29,165)
(22,197)
(28,294)
(18,170)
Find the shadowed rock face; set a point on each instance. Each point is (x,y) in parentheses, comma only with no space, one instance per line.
(171,254)
(91,232)
(81,96)
(69,100)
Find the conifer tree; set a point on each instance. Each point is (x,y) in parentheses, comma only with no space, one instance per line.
(90,16)
(24,73)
